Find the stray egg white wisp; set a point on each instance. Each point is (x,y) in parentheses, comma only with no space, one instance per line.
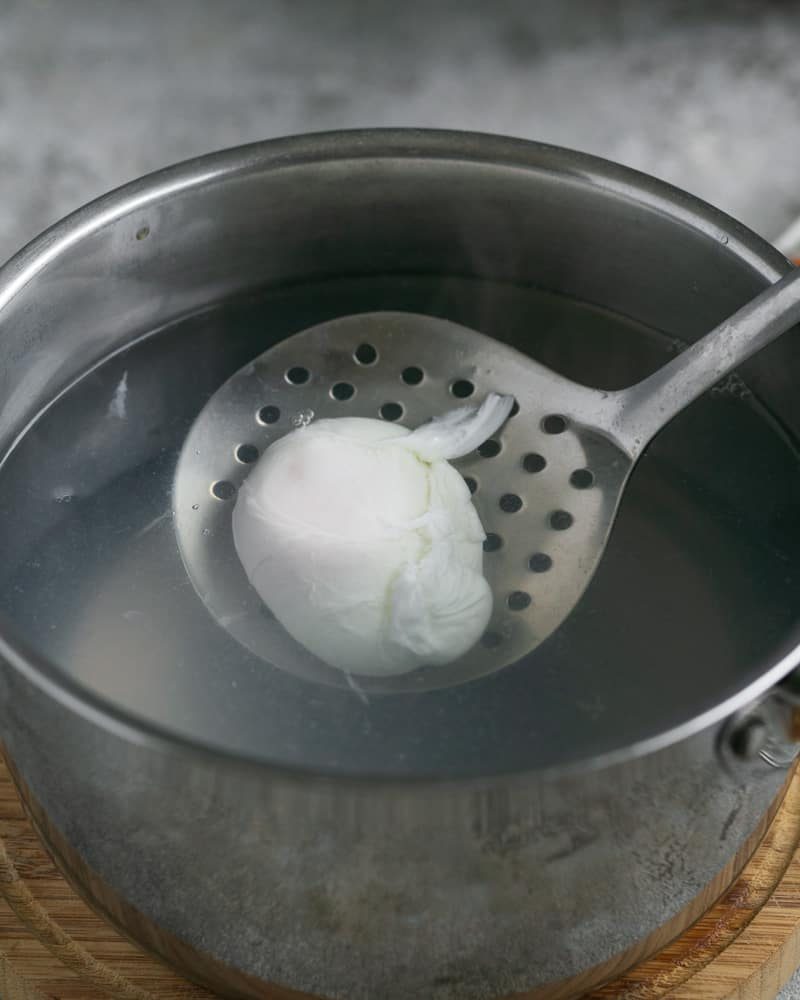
(364,542)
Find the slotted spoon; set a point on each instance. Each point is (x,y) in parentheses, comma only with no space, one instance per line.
(547,487)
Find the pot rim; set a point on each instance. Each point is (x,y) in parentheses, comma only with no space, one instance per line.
(378,143)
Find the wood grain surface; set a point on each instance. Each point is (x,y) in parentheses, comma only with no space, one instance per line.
(744,947)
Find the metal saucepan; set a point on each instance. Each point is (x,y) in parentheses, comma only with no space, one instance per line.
(543,824)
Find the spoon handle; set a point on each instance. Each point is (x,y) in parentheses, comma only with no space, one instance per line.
(642,410)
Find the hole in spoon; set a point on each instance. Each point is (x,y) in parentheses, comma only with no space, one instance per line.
(510,503)
(489,449)
(472,484)
(540,562)
(560,520)
(534,462)
(343,391)
(412,375)
(582,479)
(554,424)
(462,388)
(246,454)
(519,600)
(268,415)
(298,375)
(365,354)
(492,542)
(223,490)
(391,411)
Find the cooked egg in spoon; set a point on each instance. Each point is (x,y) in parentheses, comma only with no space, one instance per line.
(363,541)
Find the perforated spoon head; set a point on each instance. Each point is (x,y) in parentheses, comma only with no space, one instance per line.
(546,487)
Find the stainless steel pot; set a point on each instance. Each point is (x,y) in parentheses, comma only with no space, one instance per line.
(547,824)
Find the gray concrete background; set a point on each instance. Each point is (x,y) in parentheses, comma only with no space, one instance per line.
(93,93)
(705,95)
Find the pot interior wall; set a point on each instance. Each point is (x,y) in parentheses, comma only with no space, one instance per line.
(696,572)
(581,273)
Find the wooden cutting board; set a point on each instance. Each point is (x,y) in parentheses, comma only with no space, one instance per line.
(53,946)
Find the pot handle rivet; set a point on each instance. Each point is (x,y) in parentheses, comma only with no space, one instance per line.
(767,732)
(748,737)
